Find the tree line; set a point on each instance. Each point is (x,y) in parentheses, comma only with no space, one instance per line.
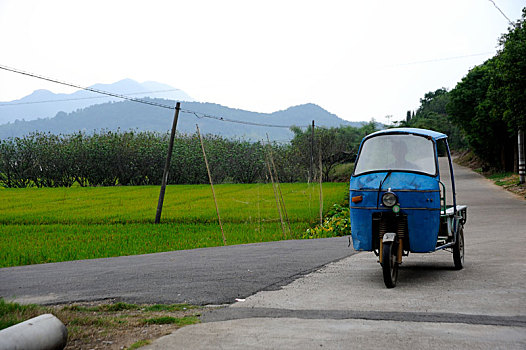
(486,108)
(112,158)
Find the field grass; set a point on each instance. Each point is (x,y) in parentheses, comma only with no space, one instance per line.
(61,224)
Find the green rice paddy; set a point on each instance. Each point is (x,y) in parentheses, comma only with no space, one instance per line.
(41,225)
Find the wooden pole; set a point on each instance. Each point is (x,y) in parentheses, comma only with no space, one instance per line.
(167,165)
(211,184)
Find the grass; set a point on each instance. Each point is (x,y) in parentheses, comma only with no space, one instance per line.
(139,344)
(13,313)
(122,325)
(60,224)
(180,321)
(504,178)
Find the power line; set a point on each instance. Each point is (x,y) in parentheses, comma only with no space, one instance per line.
(202,115)
(80,98)
(14,70)
(509,21)
(137,100)
(442,59)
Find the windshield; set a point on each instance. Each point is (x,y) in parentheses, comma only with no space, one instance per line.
(402,152)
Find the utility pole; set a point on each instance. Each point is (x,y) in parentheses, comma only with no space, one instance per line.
(167,165)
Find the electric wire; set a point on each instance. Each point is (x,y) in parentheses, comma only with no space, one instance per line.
(442,59)
(2,104)
(509,21)
(143,101)
(33,75)
(203,115)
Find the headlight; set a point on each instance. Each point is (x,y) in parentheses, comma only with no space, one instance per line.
(389,199)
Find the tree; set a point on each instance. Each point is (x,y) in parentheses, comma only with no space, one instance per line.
(489,104)
(511,68)
(432,114)
(475,108)
(336,146)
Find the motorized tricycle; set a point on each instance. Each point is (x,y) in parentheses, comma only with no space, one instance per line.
(398,201)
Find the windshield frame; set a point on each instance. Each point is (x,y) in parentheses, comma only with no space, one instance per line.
(435,174)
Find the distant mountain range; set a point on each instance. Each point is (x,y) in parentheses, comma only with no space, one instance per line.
(46,104)
(85,111)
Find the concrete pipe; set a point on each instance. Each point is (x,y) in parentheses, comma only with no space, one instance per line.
(44,332)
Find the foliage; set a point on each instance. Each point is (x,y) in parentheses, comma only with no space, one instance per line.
(128,158)
(111,158)
(475,108)
(432,114)
(337,223)
(334,146)
(511,67)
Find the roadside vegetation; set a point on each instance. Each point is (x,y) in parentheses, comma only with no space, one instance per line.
(107,325)
(137,158)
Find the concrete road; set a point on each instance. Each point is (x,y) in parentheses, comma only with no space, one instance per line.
(346,305)
(199,276)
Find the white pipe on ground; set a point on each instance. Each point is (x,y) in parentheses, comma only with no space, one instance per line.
(45,332)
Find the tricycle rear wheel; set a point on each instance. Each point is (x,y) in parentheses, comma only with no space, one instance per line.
(458,250)
(389,264)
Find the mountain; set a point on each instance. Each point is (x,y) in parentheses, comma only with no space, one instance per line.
(46,104)
(126,115)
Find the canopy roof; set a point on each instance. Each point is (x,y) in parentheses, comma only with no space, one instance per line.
(414,131)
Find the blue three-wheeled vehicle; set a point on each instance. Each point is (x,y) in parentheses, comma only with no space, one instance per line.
(398,201)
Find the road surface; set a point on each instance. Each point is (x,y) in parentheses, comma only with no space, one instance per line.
(346,305)
(199,276)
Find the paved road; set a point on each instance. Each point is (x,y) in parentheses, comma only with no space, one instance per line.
(345,304)
(199,276)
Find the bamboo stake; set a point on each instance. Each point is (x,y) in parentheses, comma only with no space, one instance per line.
(211,184)
(321,192)
(311,169)
(276,197)
(259,208)
(282,201)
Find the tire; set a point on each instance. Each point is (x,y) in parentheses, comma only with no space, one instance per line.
(389,264)
(458,250)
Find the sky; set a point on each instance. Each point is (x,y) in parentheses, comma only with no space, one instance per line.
(357,59)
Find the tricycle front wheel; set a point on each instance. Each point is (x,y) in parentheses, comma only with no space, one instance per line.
(389,264)
(458,250)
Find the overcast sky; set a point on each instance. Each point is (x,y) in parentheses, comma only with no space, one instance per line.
(359,60)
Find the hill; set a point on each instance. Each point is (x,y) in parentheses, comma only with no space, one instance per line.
(128,115)
(46,104)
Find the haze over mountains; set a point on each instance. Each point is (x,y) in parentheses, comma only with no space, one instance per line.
(85,111)
(46,104)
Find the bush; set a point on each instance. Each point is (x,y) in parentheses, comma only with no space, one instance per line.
(337,223)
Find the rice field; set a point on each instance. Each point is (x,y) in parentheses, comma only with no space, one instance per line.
(41,225)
